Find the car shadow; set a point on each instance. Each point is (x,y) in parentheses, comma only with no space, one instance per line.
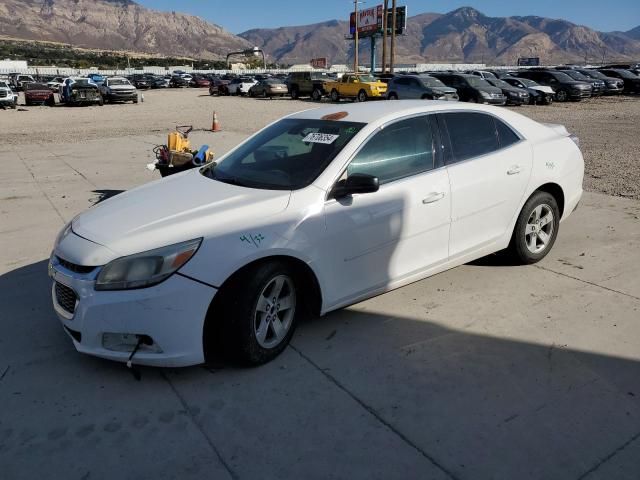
(457,396)
(103,195)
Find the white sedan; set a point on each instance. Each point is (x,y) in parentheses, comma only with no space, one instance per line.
(318,210)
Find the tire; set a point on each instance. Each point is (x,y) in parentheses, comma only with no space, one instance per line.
(251,93)
(426,97)
(135,100)
(562,95)
(316,95)
(362,96)
(335,96)
(264,94)
(14,105)
(473,100)
(393,96)
(101,101)
(527,247)
(249,332)
(295,93)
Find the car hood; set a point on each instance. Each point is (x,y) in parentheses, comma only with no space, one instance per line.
(445,90)
(178,208)
(542,88)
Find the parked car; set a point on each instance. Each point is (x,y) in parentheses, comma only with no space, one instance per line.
(200,81)
(96,78)
(218,86)
(7,96)
(612,85)
(358,86)
(472,88)
(55,83)
(38,94)
(177,81)
(158,81)
(141,81)
(268,88)
(597,86)
(18,81)
(118,89)
(631,80)
(308,84)
(241,85)
(514,95)
(565,87)
(538,94)
(80,91)
(410,87)
(309,214)
(633,67)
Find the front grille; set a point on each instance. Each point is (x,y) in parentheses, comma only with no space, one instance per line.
(66,297)
(3,93)
(75,268)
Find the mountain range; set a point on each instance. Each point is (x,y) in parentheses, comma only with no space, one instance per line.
(462,35)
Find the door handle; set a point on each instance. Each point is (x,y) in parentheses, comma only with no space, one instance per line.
(433,197)
(514,170)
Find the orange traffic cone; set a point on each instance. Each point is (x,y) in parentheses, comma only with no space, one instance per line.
(215,126)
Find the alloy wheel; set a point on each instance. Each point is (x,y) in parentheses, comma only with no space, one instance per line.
(274,311)
(539,229)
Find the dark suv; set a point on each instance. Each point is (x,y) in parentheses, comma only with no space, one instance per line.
(612,85)
(304,84)
(407,87)
(566,88)
(471,88)
(597,86)
(631,80)
(515,95)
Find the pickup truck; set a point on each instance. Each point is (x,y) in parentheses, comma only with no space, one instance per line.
(358,86)
(301,84)
(7,97)
(118,89)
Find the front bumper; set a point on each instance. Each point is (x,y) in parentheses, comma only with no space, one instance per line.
(8,101)
(494,100)
(122,96)
(171,313)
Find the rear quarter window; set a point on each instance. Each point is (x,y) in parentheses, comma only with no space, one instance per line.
(471,134)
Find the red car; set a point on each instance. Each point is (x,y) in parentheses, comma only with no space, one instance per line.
(200,82)
(38,94)
(219,87)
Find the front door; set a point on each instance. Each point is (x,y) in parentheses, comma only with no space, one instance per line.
(378,238)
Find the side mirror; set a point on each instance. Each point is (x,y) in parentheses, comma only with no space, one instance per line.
(356,183)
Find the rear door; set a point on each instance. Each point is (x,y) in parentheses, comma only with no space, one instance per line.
(489,166)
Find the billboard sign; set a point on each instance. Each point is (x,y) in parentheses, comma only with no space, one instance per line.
(528,61)
(319,62)
(370,21)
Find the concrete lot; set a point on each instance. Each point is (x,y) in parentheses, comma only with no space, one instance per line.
(485,371)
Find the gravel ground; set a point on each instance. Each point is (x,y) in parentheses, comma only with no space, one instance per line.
(608,127)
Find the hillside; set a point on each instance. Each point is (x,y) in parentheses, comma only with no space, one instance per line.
(463,35)
(116,25)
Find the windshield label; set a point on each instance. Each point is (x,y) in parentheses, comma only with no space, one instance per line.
(325,138)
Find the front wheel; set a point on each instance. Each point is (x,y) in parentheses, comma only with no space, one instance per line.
(536,228)
(260,312)
(335,97)
(562,96)
(362,96)
(393,96)
(295,93)
(316,95)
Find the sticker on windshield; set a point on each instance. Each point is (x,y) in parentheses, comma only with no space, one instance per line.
(326,138)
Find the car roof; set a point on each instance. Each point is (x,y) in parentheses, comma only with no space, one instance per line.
(371,112)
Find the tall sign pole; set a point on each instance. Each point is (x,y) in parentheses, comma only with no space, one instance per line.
(355,57)
(384,36)
(393,35)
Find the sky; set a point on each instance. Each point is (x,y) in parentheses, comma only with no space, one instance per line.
(243,15)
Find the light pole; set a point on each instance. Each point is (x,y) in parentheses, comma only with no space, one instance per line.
(355,55)
(384,35)
(393,36)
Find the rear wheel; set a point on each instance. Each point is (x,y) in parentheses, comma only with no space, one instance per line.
(259,312)
(316,95)
(335,96)
(295,93)
(536,229)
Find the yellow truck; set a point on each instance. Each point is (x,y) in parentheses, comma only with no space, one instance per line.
(359,86)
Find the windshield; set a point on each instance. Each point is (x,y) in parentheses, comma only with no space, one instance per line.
(118,81)
(3,85)
(625,74)
(35,86)
(562,77)
(431,82)
(527,83)
(594,74)
(499,83)
(367,78)
(576,75)
(319,76)
(477,82)
(288,155)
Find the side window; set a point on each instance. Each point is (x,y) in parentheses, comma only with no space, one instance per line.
(471,134)
(402,81)
(400,150)
(506,136)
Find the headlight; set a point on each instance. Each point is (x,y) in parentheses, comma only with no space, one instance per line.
(147,268)
(63,233)
(485,94)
